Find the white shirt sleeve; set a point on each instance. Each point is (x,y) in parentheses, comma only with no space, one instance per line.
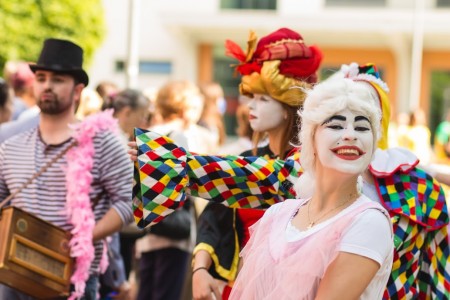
(370,236)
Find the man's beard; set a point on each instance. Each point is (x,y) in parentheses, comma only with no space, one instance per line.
(54,106)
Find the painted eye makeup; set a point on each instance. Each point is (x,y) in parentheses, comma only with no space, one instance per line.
(362,124)
(335,126)
(335,122)
(362,128)
(338,122)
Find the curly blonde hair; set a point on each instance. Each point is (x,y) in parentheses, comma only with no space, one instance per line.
(326,99)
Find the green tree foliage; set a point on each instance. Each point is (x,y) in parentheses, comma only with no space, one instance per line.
(440,82)
(25,24)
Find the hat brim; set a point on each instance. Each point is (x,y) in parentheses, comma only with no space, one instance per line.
(79,74)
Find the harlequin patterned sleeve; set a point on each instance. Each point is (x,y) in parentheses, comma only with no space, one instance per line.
(164,173)
(434,274)
(418,210)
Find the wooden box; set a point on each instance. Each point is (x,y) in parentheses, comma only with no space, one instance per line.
(34,255)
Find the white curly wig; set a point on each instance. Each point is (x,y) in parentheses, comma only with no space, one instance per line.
(328,98)
(322,102)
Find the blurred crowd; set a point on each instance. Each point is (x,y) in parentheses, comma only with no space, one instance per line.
(157,263)
(191,114)
(411,131)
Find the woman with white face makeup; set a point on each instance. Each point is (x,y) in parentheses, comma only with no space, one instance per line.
(338,243)
(266,113)
(275,87)
(272,119)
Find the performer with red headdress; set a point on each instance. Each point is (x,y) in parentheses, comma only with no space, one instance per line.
(275,70)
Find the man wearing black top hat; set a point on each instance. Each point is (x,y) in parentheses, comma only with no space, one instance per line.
(85,190)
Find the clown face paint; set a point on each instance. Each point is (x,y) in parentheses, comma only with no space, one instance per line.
(344,142)
(266,113)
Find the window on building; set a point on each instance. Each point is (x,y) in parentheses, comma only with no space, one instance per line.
(148,67)
(155,67)
(119,66)
(356,3)
(249,4)
(443,3)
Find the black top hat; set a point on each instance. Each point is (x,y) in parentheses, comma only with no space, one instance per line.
(62,56)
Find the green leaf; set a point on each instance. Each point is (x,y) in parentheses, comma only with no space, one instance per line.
(25,24)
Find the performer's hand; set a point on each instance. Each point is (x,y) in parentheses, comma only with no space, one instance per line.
(204,286)
(132,152)
(124,292)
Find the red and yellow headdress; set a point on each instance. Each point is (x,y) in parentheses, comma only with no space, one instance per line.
(279,65)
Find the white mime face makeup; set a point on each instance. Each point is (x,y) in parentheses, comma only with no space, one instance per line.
(344,142)
(266,113)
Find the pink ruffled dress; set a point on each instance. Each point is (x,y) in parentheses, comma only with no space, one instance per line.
(277,269)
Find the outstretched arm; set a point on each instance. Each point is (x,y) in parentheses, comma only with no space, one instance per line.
(434,272)
(434,265)
(164,173)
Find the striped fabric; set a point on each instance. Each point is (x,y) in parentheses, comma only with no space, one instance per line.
(415,202)
(23,155)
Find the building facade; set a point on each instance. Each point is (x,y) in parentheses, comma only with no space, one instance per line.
(409,40)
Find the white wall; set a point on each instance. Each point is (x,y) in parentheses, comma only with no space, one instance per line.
(156,42)
(170,30)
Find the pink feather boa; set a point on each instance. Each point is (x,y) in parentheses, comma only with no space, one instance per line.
(78,204)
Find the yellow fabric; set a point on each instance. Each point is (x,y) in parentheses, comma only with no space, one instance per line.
(251,46)
(270,82)
(386,115)
(229,274)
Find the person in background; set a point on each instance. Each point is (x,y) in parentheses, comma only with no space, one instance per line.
(5,102)
(153,117)
(442,140)
(398,131)
(276,98)
(11,128)
(106,89)
(213,110)
(90,153)
(25,112)
(130,109)
(420,136)
(90,103)
(179,103)
(21,80)
(12,71)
